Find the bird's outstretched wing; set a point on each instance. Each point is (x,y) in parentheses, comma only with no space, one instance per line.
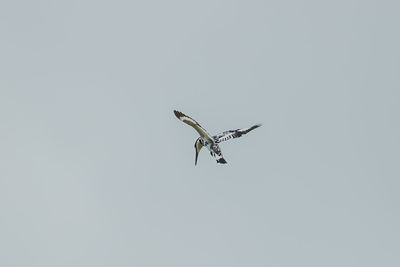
(224,136)
(188,120)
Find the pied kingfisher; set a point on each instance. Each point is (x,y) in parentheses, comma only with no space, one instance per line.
(211,142)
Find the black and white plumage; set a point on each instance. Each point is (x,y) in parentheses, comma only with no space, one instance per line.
(209,141)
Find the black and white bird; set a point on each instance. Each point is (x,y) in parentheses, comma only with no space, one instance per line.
(209,141)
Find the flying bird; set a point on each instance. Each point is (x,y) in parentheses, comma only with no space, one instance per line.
(209,141)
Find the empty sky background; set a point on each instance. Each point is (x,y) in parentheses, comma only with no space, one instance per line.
(95,170)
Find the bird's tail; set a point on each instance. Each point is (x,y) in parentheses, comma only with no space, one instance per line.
(221,160)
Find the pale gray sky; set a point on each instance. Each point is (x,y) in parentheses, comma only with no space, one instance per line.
(97,171)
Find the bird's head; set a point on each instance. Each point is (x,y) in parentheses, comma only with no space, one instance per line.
(197,146)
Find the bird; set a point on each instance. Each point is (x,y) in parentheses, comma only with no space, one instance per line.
(211,141)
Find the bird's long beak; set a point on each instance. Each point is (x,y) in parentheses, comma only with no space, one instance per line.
(197,147)
(197,154)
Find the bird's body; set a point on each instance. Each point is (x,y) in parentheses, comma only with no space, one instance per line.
(211,142)
(212,146)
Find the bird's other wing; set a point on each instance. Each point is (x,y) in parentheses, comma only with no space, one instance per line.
(224,136)
(188,120)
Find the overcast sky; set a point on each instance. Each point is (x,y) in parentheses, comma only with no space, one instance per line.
(95,170)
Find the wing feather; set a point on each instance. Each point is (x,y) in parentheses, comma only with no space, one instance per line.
(224,136)
(188,120)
